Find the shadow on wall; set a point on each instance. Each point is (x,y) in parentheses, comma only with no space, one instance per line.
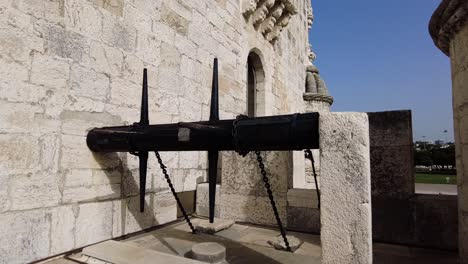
(126,207)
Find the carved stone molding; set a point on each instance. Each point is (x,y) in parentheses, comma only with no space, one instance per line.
(447,20)
(318,97)
(269,17)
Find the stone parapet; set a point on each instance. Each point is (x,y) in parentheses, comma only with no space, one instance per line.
(447,20)
(345,212)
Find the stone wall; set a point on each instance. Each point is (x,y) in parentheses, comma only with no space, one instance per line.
(391,136)
(459,60)
(449,30)
(398,214)
(69,65)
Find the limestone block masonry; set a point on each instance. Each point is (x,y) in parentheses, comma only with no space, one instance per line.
(449,30)
(345,215)
(67,66)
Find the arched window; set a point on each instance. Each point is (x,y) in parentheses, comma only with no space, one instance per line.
(255,78)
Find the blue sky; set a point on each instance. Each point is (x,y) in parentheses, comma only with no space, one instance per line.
(378,56)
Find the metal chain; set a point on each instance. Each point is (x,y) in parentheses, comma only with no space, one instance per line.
(308,155)
(272,201)
(179,203)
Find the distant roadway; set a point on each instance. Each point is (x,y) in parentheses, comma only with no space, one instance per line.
(446,189)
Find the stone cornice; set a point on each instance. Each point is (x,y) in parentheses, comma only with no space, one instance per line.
(318,97)
(447,20)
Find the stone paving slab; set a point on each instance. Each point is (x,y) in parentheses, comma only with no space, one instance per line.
(219,224)
(122,253)
(177,239)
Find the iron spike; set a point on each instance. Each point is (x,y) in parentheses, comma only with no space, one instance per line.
(213,154)
(144,117)
(214,107)
(143,155)
(212,175)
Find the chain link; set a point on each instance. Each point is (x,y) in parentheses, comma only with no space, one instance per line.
(179,203)
(261,165)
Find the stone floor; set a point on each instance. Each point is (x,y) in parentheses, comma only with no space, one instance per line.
(248,244)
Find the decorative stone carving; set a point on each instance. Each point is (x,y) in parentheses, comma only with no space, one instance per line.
(310,16)
(269,16)
(316,89)
(262,11)
(314,83)
(249,7)
(269,23)
(311,54)
(311,84)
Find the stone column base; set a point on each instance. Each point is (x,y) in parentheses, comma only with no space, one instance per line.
(315,102)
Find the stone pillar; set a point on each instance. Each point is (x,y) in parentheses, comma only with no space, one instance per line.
(449,30)
(346,234)
(316,99)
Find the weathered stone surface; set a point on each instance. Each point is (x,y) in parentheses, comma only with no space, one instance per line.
(346,229)
(69,66)
(251,209)
(25,236)
(66,44)
(278,243)
(16,44)
(304,219)
(93,223)
(118,252)
(391,139)
(76,122)
(62,229)
(219,224)
(113,6)
(424,220)
(306,198)
(83,18)
(24,118)
(202,206)
(105,59)
(4,185)
(450,33)
(127,218)
(49,71)
(19,154)
(118,34)
(174,20)
(210,252)
(87,83)
(34,190)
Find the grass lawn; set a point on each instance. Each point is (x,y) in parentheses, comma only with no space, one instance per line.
(435,178)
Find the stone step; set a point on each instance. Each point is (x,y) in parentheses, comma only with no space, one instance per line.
(122,253)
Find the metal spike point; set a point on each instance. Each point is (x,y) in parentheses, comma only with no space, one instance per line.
(143,156)
(212,175)
(214,107)
(144,117)
(213,154)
